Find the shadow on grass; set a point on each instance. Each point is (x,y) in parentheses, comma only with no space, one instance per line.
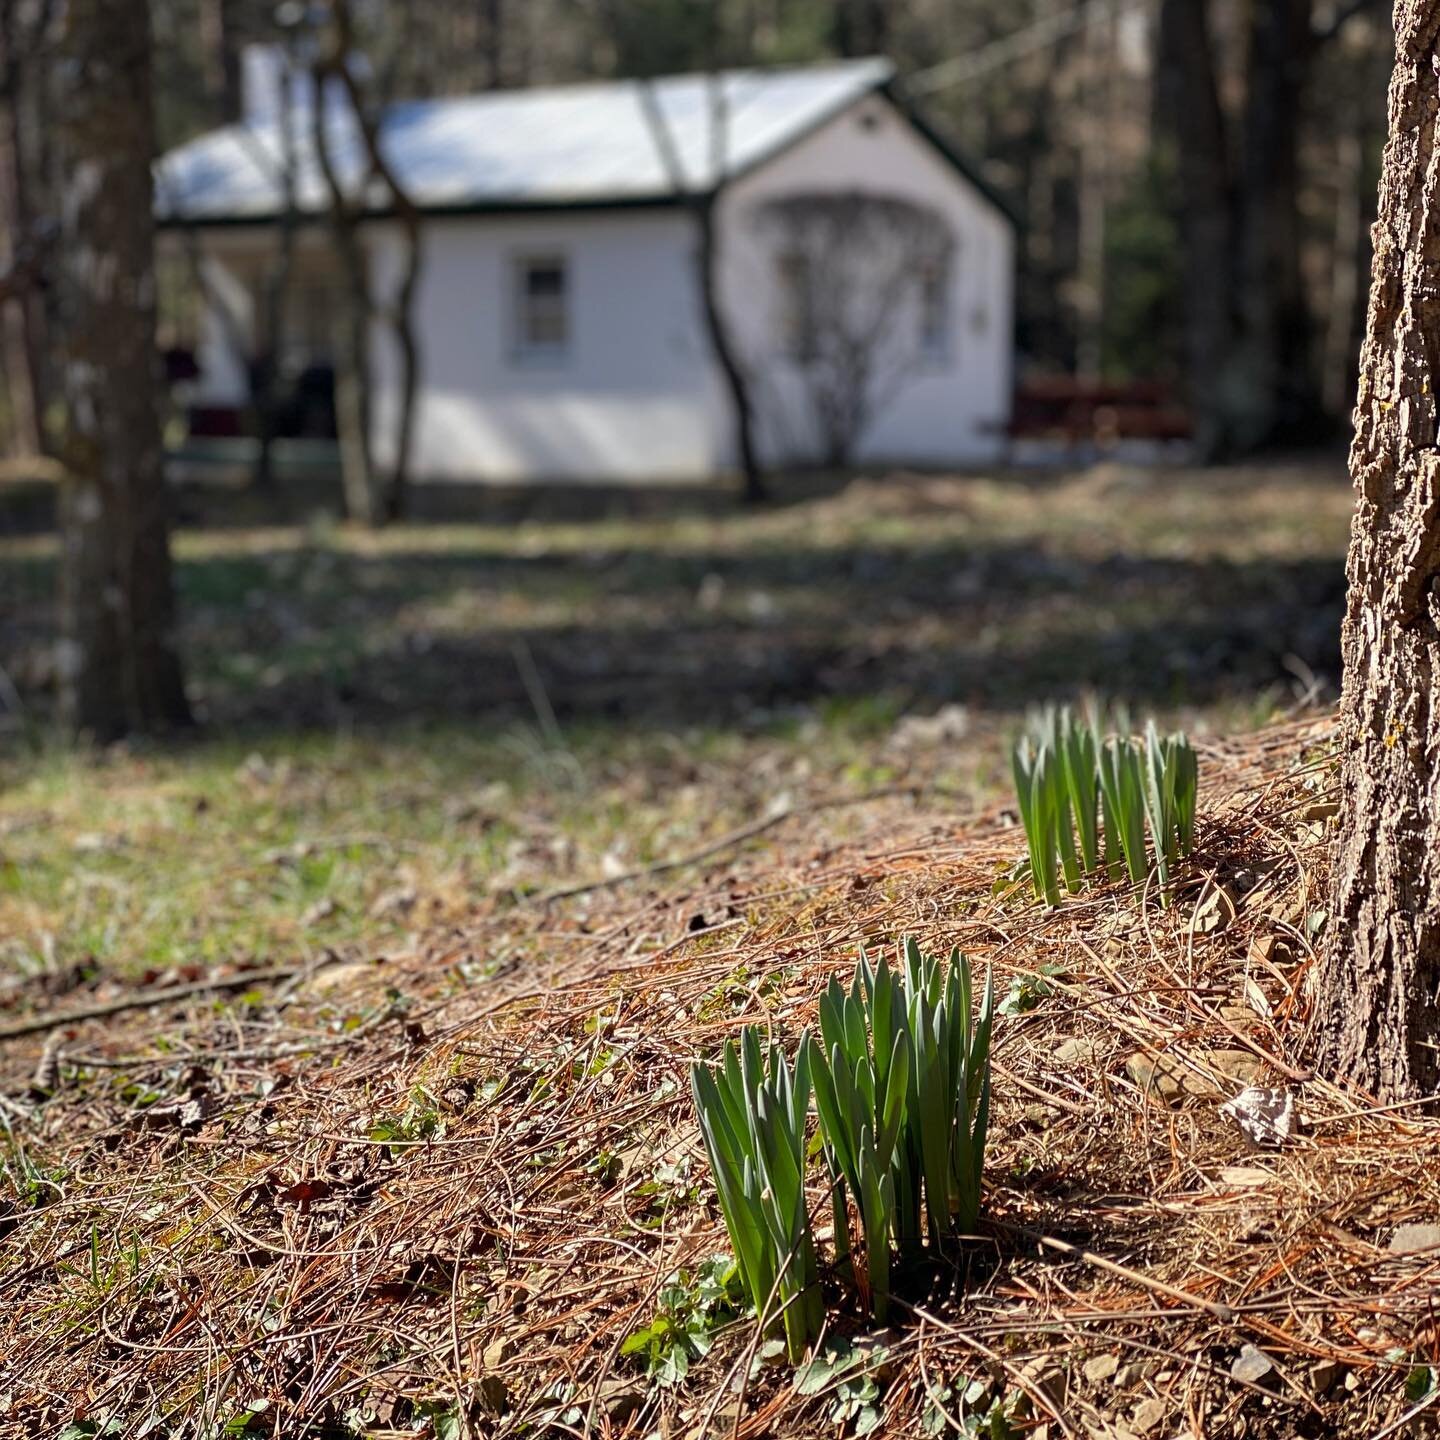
(683,618)
(664,639)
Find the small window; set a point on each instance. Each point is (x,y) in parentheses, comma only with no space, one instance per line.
(935,313)
(542,307)
(797,308)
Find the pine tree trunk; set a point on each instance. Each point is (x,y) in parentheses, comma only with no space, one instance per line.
(117,663)
(1377,1000)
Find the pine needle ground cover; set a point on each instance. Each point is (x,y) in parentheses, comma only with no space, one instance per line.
(465,1192)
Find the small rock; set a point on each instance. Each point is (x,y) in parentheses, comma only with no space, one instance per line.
(1214,912)
(1167,1078)
(1046,1376)
(1251,1366)
(1147,1415)
(1272,950)
(1077,1051)
(1411,1239)
(394,903)
(1101,1367)
(620,1399)
(1239,1065)
(1155,1075)
(492,1395)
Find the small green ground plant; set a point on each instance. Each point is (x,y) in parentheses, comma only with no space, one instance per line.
(902,1087)
(901,1075)
(1074,782)
(752,1112)
(690,1308)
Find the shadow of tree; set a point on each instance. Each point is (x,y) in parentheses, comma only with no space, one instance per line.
(690,625)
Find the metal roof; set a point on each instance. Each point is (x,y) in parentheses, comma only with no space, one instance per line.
(555,146)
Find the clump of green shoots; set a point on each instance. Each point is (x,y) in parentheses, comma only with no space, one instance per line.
(752,1112)
(901,1075)
(1073,780)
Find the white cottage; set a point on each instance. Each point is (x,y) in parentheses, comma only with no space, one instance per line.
(559,313)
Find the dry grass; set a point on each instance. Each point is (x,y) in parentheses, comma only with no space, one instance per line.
(440,1189)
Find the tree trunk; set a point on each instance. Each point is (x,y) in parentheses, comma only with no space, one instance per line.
(736,380)
(491,15)
(276,293)
(353,312)
(704,202)
(220,46)
(17,357)
(1192,124)
(862,27)
(1274,397)
(117,663)
(1377,1002)
(20,316)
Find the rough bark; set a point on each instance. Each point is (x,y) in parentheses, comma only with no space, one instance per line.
(117,663)
(1377,1001)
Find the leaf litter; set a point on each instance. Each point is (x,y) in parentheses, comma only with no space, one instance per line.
(465,1194)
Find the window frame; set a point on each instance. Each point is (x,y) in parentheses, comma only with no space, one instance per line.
(524,350)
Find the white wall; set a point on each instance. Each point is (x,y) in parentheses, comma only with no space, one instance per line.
(626,402)
(942,414)
(637,396)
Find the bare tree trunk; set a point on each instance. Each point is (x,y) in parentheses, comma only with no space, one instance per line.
(491,14)
(736,381)
(352,381)
(1092,190)
(117,662)
(351,322)
(1377,1002)
(704,204)
(221,50)
(1189,118)
(1274,398)
(16,355)
(21,315)
(1338,373)
(862,27)
(400,310)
